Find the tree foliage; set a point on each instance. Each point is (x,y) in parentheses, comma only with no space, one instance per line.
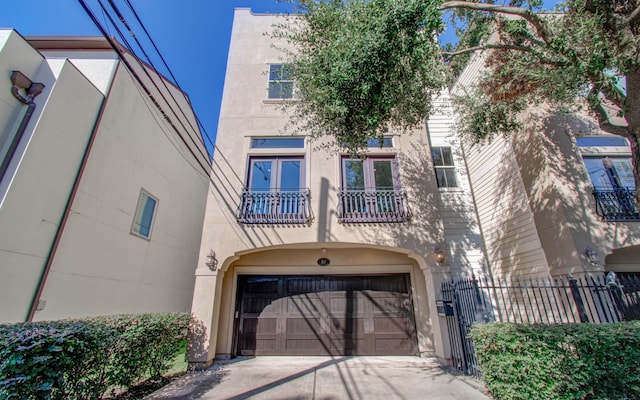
(364,67)
(581,54)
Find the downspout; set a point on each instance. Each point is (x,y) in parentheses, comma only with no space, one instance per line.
(20,81)
(67,209)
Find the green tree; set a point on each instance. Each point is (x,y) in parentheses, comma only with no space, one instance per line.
(366,66)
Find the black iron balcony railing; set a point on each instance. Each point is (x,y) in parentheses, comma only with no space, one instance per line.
(373,205)
(616,205)
(274,207)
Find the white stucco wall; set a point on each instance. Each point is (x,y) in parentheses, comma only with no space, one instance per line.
(440,218)
(37,186)
(99,266)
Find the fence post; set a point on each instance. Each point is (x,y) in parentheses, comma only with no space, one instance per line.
(575,292)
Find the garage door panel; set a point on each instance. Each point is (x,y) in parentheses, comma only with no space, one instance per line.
(259,304)
(321,315)
(398,325)
(295,326)
(305,305)
(355,305)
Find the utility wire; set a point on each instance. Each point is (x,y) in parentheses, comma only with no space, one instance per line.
(137,78)
(124,22)
(164,62)
(144,69)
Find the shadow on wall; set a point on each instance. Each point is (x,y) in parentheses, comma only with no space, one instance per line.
(560,191)
(426,232)
(226,182)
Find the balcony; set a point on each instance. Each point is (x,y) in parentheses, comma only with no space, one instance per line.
(274,207)
(616,205)
(373,205)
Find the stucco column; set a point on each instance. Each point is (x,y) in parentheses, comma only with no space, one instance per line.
(205,307)
(434,275)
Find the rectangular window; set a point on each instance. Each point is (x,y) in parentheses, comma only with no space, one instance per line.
(602,141)
(144,214)
(377,143)
(280,81)
(275,191)
(443,164)
(610,173)
(613,187)
(371,191)
(278,143)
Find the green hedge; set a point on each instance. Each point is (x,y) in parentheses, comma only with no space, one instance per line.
(80,359)
(573,361)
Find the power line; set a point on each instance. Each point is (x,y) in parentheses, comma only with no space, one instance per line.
(122,19)
(137,78)
(159,53)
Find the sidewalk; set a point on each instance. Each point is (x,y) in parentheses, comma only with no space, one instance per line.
(323,378)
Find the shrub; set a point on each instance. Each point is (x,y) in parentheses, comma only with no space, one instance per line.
(80,359)
(573,361)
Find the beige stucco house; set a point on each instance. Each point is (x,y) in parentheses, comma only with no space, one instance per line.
(307,251)
(103,184)
(556,197)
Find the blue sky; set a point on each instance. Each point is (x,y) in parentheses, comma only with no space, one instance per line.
(192,35)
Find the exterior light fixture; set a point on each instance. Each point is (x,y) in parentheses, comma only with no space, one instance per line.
(592,255)
(212,262)
(20,83)
(438,255)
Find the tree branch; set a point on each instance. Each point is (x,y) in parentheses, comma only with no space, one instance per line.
(603,114)
(531,17)
(504,47)
(634,14)
(609,91)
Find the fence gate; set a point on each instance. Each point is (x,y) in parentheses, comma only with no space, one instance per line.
(595,299)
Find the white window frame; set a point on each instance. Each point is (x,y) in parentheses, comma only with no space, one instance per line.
(444,166)
(291,81)
(139,214)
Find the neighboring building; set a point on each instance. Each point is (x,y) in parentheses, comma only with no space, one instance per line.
(102,195)
(306,251)
(554,198)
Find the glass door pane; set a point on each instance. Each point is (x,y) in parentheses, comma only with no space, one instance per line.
(597,174)
(354,200)
(290,175)
(383,181)
(383,175)
(354,175)
(261,176)
(260,187)
(290,184)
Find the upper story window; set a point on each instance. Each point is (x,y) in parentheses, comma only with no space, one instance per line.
(144,215)
(443,164)
(386,142)
(371,191)
(275,192)
(278,143)
(607,160)
(280,81)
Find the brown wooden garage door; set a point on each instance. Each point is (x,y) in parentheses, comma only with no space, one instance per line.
(325,315)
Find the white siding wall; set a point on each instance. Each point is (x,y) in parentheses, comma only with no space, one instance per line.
(461,229)
(507,224)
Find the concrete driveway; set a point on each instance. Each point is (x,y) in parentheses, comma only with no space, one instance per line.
(323,378)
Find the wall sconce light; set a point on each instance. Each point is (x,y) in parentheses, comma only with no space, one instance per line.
(20,81)
(212,261)
(438,255)
(592,255)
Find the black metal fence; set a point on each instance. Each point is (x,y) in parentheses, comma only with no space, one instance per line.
(594,299)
